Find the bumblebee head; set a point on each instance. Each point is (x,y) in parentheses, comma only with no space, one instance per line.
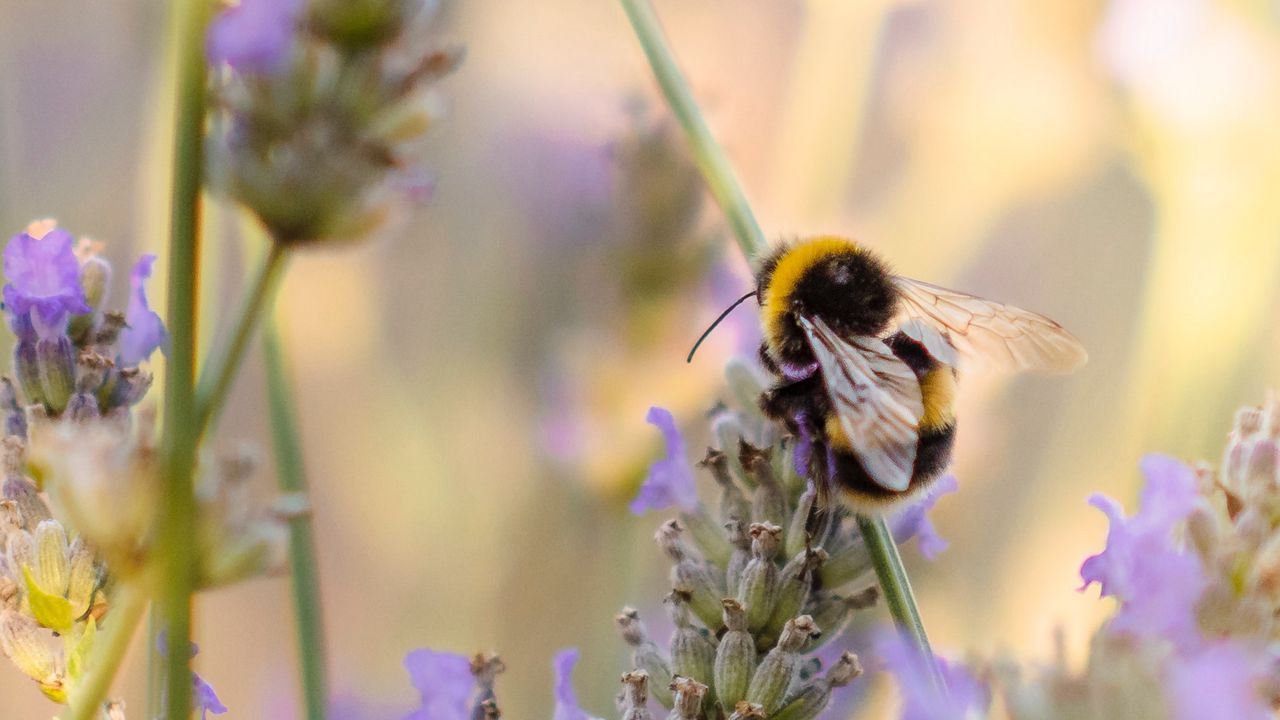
(828,277)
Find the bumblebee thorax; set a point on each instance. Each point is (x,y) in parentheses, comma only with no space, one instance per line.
(828,277)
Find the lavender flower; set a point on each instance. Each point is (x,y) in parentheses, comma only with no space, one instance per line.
(913,521)
(44,283)
(254,37)
(1219,682)
(203,697)
(144,330)
(567,707)
(965,698)
(1157,582)
(445,683)
(670,480)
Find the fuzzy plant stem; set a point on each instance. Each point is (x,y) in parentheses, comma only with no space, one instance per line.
(109,647)
(176,540)
(728,192)
(225,360)
(302,553)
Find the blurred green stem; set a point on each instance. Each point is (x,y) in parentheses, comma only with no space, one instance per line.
(302,554)
(109,647)
(175,538)
(225,359)
(728,192)
(707,152)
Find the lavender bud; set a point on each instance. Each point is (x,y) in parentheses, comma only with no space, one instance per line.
(485,669)
(768,504)
(777,670)
(735,656)
(813,697)
(689,695)
(740,558)
(794,583)
(745,710)
(21,642)
(831,611)
(798,531)
(645,654)
(82,577)
(709,537)
(746,384)
(27,366)
(95,278)
(692,654)
(845,565)
(760,578)
(15,420)
(21,550)
(52,568)
(56,358)
(728,432)
(1202,529)
(20,489)
(733,504)
(635,695)
(690,575)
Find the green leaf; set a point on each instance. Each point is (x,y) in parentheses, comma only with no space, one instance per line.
(79,656)
(51,611)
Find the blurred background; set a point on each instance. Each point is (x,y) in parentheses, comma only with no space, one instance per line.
(473,389)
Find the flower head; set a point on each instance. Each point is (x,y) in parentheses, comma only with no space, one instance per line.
(144,330)
(670,481)
(254,37)
(913,521)
(966,697)
(44,282)
(1157,582)
(445,683)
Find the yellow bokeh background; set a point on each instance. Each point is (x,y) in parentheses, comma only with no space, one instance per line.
(1113,165)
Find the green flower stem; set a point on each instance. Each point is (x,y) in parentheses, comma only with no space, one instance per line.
(225,360)
(176,541)
(707,152)
(897,589)
(109,648)
(302,552)
(729,194)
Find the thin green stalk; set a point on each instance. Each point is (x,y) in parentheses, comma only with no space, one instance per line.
(225,360)
(728,192)
(181,436)
(312,658)
(897,589)
(707,152)
(108,652)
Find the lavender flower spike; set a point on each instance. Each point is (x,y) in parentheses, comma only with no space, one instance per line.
(1157,582)
(254,37)
(144,331)
(670,480)
(966,697)
(567,707)
(44,282)
(445,682)
(913,521)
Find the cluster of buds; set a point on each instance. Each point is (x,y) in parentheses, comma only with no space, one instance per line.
(318,107)
(758,586)
(50,583)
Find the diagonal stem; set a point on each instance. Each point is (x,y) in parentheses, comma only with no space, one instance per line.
(728,192)
(302,550)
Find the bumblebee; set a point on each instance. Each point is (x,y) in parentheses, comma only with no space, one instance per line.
(866,363)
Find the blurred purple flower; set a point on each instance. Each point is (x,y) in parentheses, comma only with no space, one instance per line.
(566,699)
(254,37)
(966,697)
(1218,682)
(445,683)
(144,331)
(670,480)
(1157,582)
(913,521)
(203,697)
(44,283)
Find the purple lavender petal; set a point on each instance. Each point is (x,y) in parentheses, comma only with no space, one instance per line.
(913,521)
(445,683)
(670,481)
(44,282)
(145,330)
(1218,682)
(205,699)
(567,707)
(254,37)
(920,701)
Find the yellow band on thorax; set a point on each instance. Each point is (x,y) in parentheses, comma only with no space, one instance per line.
(793,264)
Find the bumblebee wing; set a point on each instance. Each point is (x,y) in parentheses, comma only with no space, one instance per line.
(876,398)
(990,334)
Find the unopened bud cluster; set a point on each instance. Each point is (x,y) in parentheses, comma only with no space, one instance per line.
(316,121)
(756,586)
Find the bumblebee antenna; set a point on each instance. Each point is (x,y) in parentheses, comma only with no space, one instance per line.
(723,315)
